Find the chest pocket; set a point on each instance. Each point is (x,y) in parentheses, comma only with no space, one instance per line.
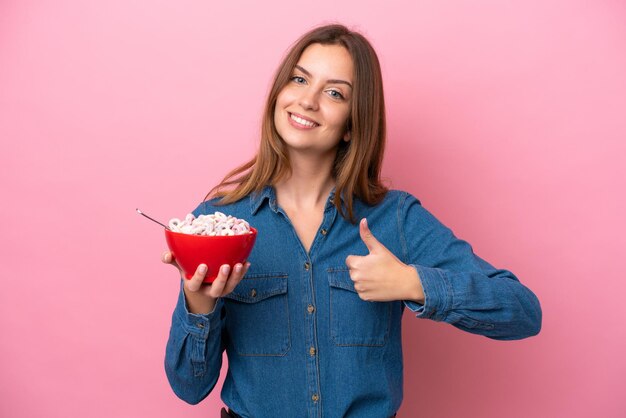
(353,321)
(257,315)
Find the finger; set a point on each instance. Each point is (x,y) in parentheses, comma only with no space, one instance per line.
(362,291)
(353,261)
(168,258)
(235,278)
(355,275)
(197,279)
(365,296)
(366,235)
(217,287)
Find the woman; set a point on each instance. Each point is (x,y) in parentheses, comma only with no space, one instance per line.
(311,323)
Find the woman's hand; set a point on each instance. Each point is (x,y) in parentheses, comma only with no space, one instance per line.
(380,276)
(201,297)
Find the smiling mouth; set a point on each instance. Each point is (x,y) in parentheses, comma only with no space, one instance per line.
(303,122)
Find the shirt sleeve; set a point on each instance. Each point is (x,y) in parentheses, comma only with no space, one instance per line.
(460,288)
(193,355)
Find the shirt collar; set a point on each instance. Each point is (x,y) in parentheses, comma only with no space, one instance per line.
(258,197)
(268,193)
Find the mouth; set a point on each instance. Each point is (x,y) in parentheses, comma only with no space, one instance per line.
(302,122)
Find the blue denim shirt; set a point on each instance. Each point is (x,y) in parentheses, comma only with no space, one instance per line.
(301,343)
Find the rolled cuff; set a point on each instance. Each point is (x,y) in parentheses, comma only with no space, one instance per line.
(437,294)
(197,325)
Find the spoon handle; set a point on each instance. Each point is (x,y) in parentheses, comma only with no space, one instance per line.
(153,220)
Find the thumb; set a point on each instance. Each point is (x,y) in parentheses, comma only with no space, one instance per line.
(366,235)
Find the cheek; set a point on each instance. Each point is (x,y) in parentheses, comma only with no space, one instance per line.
(284,98)
(339,118)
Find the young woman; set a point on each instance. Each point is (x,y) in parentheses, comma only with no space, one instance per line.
(311,323)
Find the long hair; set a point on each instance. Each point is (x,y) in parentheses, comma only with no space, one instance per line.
(357,165)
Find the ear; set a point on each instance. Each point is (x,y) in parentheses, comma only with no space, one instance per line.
(347,136)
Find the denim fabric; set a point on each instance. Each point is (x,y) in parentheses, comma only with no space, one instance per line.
(301,343)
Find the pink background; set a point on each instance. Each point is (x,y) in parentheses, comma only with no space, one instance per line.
(508,121)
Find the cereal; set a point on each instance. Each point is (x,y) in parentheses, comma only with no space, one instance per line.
(217,224)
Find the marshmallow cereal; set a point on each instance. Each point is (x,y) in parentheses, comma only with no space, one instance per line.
(217,224)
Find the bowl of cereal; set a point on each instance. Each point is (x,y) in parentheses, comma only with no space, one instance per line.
(214,239)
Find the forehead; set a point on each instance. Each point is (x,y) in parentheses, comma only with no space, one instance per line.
(327,62)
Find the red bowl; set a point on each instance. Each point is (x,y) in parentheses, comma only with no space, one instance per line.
(192,250)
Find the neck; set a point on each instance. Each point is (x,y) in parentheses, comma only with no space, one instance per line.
(308,186)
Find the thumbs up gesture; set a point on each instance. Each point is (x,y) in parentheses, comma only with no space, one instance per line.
(380,276)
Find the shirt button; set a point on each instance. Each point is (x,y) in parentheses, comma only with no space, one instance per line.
(253,293)
(315,398)
(324,232)
(312,351)
(200,325)
(310,309)
(307,266)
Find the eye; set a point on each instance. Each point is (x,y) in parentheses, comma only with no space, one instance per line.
(335,94)
(297,79)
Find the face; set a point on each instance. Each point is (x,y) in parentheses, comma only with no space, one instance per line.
(312,110)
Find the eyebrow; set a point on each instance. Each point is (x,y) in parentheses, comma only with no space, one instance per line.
(329,81)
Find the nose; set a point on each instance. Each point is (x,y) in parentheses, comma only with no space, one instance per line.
(309,100)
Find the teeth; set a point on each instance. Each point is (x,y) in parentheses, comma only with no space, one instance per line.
(302,121)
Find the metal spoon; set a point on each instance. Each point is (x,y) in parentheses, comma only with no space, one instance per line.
(153,220)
